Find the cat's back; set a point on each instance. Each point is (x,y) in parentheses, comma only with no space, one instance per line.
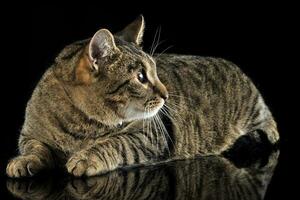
(212,97)
(208,75)
(198,66)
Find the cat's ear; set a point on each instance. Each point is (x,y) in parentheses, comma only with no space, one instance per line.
(134,31)
(101,45)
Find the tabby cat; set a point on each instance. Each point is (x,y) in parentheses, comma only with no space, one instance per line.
(105,103)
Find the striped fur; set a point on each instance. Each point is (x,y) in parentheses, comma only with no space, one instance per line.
(105,104)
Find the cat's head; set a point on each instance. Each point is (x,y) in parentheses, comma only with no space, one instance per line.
(118,80)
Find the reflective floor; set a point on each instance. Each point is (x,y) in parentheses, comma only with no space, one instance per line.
(202,178)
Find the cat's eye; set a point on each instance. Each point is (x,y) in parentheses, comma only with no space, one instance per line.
(142,77)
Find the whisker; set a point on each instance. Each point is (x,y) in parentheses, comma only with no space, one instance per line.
(153,42)
(150,129)
(165,130)
(161,53)
(175,110)
(165,112)
(173,105)
(163,134)
(157,132)
(147,126)
(179,96)
(157,42)
(156,46)
(172,114)
(168,134)
(145,137)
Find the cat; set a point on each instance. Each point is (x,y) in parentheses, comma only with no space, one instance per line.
(207,177)
(105,104)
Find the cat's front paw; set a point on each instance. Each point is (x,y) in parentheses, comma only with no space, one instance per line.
(22,166)
(86,163)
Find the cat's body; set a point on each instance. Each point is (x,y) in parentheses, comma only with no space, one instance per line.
(84,115)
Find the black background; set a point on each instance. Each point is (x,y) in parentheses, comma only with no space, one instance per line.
(259,38)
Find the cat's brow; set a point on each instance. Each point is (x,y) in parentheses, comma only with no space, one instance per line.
(145,65)
(133,66)
(150,71)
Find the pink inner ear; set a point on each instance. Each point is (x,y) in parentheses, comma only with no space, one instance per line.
(102,44)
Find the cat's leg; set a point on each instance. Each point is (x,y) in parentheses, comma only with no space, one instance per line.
(34,156)
(107,155)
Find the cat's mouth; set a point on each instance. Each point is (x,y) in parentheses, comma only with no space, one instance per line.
(152,107)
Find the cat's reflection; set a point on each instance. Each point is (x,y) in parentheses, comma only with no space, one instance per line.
(202,178)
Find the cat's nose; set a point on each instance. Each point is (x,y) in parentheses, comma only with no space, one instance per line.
(163,93)
(165,96)
(161,90)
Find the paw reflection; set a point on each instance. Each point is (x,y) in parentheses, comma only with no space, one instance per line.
(30,188)
(203,178)
(92,187)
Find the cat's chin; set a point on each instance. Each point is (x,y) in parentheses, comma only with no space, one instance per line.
(150,113)
(142,115)
(137,114)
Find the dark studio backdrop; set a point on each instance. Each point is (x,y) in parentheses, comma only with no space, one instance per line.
(252,36)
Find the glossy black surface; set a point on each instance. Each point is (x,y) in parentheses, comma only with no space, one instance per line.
(203,178)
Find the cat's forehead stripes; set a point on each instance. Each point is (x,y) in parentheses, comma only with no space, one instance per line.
(137,58)
(134,51)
